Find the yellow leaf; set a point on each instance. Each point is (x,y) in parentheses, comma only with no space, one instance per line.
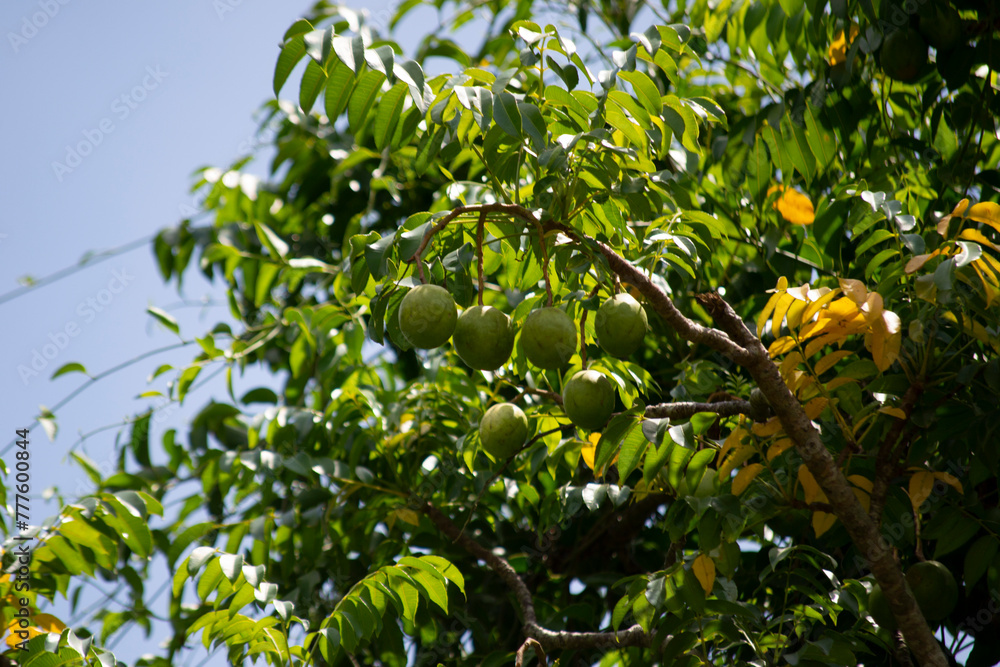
(745,476)
(838,335)
(734,452)
(50,623)
(884,340)
(950,480)
(838,382)
(407,515)
(823,521)
(815,407)
(838,48)
(780,309)
(789,364)
(960,207)
(824,296)
(861,482)
(738,457)
(854,290)
(989,288)
(793,318)
(921,486)
(768,428)
(590,448)
(918,261)
(813,494)
(704,570)
(986,212)
(893,412)
(12,639)
(781,346)
(777,295)
(778,448)
(828,362)
(793,206)
(978,237)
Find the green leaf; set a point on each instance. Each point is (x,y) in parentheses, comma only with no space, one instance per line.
(275,246)
(140,439)
(72,367)
(633,447)
(645,91)
(164,318)
(507,115)
(978,558)
(362,99)
(339,86)
(611,439)
(390,106)
(351,51)
(291,53)
(313,82)
(759,170)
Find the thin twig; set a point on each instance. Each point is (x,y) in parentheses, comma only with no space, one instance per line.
(479,250)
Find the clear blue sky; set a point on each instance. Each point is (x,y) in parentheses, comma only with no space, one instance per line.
(149,92)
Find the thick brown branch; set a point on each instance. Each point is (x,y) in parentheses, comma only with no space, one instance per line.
(549,639)
(686,410)
(863,531)
(742,346)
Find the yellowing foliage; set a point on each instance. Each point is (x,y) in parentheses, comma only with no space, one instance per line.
(793,206)
(969,246)
(838,48)
(823,319)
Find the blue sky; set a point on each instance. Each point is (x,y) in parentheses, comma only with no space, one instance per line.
(109,108)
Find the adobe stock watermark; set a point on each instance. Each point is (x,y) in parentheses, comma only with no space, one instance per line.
(31,25)
(223,7)
(122,107)
(86,311)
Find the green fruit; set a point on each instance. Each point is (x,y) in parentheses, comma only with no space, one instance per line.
(934,588)
(483,338)
(941,26)
(548,338)
(878,607)
(427,316)
(620,325)
(503,430)
(588,399)
(903,54)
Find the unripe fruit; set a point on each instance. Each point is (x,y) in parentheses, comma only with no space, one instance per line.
(427,316)
(934,588)
(941,26)
(588,399)
(483,338)
(548,338)
(503,430)
(620,325)
(878,607)
(903,54)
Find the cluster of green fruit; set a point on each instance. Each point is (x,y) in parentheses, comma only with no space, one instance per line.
(483,337)
(934,588)
(904,51)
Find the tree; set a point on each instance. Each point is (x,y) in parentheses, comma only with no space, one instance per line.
(801,203)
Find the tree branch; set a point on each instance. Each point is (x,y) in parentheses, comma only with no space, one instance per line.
(746,349)
(549,639)
(686,410)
